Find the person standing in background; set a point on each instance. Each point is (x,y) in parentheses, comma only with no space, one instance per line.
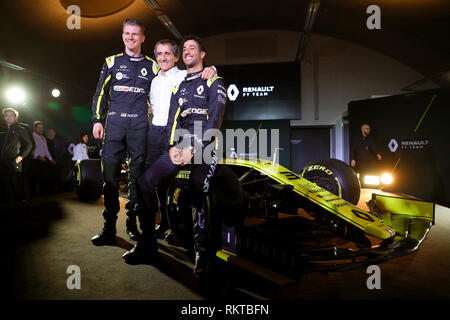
(26,163)
(364,154)
(15,145)
(43,165)
(80,148)
(57,148)
(56,145)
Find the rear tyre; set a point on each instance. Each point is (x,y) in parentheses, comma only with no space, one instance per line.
(87,179)
(335,176)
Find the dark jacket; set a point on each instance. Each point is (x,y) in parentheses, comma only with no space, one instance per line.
(363,149)
(29,130)
(14,142)
(57,148)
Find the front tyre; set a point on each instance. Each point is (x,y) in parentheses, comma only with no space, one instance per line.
(335,176)
(228,204)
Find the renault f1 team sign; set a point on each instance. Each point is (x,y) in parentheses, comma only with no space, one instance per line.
(262,91)
(233,92)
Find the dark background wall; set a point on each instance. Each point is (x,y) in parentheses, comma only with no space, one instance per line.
(412,134)
(308,144)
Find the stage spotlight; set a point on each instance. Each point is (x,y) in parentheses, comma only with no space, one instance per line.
(372,180)
(56,93)
(386,178)
(15,95)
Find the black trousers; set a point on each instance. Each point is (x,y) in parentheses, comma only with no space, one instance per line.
(201,175)
(117,142)
(11,182)
(158,144)
(43,178)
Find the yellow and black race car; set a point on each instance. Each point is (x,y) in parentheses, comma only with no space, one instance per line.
(279,224)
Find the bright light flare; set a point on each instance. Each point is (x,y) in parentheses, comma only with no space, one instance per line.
(56,93)
(372,180)
(386,178)
(15,95)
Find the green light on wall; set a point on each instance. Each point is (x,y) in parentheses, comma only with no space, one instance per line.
(82,113)
(54,105)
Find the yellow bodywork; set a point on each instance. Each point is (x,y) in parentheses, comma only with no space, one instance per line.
(364,220)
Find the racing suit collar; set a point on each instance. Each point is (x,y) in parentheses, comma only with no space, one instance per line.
(192,76)
(140,58)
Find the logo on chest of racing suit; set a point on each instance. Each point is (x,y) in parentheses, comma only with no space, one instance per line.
(143,74)
(194,111)
(121,72)
(200,89)
(129,89)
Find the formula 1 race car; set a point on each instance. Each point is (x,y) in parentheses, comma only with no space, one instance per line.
(279,224)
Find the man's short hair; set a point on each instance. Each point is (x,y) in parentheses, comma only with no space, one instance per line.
(9,109)
(175,47)
(36,123)
(135,22)
(187,37)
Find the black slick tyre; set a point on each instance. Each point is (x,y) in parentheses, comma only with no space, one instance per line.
(335,176)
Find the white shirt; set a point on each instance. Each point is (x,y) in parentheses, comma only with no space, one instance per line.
(80,152)
(41,148)
(161,92)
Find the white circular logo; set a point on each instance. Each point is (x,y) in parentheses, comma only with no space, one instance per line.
(119,76)
(180,101)
(144,72)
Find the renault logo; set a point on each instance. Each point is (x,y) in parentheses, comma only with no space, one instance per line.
(393,145)
(232,92)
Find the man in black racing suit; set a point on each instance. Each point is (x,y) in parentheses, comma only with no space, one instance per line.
(196,106)
(123,89)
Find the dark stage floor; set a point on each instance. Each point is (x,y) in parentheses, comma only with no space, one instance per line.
(43,237)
